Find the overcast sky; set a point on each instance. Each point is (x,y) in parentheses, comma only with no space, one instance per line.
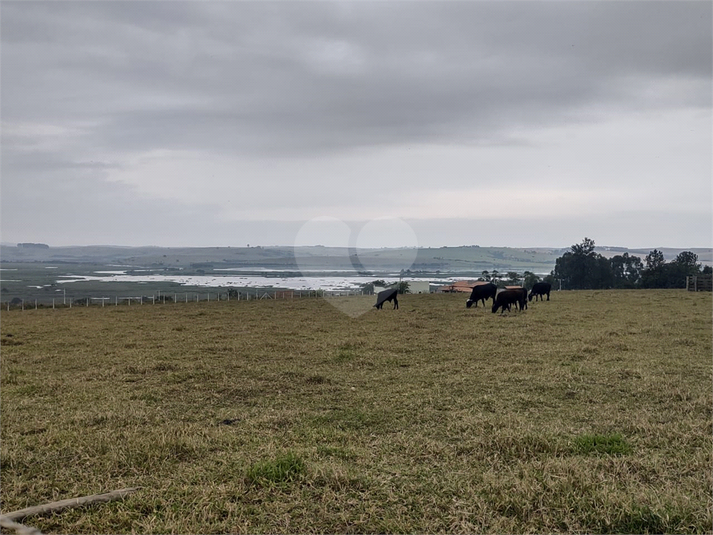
(216,123)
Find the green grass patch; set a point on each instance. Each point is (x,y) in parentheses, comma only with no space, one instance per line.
(612,444)
(285,468)
(346,353)
(644,519)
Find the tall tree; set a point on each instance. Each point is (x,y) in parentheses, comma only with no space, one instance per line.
(530,279)
(688,261)
(582,268)
(654,275)
(626,270)
(585,248)
(512,278)
(403,287)
(654,259)
(684,265)
(659,274)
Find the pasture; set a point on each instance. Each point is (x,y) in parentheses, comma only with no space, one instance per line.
(589,413)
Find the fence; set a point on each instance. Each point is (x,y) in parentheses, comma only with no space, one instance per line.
(699,283)
(167,298)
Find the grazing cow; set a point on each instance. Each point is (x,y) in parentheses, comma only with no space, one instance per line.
(481,292)
(523,302)
(507,298)
(540,289)
(387,295)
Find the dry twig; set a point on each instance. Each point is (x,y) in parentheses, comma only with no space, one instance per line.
(19,529)
(72,502)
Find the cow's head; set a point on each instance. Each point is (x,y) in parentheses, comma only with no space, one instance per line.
(469,303)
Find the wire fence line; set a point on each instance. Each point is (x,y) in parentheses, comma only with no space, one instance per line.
(163,298)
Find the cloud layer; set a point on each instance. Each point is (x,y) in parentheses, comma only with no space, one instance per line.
(187,120)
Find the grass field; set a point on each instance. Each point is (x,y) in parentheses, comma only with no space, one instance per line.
(589,413)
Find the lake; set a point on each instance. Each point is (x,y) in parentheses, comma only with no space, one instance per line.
(312,282)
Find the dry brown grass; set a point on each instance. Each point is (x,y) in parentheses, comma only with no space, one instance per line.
(590,413)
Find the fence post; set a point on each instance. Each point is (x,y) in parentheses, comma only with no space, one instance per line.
(35,304)
(53,304)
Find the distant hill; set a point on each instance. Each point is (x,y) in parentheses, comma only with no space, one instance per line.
(705,255)
(461,260)
(34,245)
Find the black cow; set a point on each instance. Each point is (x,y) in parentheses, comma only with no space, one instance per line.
(481,292)
(540,289)
(387,295)
(523,302)
(507,298)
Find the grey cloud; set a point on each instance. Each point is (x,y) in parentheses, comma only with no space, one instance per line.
(262,77)
(104,81)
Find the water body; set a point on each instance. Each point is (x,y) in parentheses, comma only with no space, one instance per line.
(328,283)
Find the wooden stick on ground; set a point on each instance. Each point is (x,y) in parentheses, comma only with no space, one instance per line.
(72,502)
(20,529)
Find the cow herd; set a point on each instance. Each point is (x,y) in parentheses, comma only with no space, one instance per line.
(503,299)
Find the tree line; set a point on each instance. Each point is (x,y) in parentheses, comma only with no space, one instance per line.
(581,268)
